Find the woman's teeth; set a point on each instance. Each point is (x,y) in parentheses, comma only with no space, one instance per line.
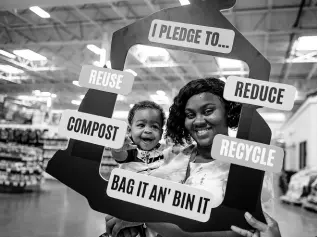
(202,132)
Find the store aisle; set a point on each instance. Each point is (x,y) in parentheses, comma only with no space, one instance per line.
(59,211)
(56,212)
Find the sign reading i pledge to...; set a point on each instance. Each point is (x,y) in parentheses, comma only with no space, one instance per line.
(93,129)
(160,194)
(262,93)
(191,36)
(246,153)
(106,79)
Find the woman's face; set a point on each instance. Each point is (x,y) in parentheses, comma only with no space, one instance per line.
(205,118)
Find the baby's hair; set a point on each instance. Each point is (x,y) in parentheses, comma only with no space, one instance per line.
(146,104)
(175,123)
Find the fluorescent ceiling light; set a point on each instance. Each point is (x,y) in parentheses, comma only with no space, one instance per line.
(159,99)
(76,83)
(234,73)
(223,79)
(40,12)
(10,69)
(49,102)
(143,52)
(131,105)
(306,43)
(76,102)
(161,93)
(29,55)
(120,114)
(36,92)
(131,71)
(82,96)
(108,64)
(94,48)
(184,2)
(273,117)
(44,93)
(33,98)
(5,53)
(229,63)
(121,97)
(97,64)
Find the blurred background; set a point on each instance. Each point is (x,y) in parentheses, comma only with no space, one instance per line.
(44,44)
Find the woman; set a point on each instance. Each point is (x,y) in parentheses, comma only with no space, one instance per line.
(199,112)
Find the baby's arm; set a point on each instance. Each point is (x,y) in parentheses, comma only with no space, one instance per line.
(121,155)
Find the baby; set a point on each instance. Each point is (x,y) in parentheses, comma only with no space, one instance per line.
(142,151)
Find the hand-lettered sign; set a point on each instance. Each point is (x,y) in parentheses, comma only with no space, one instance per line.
(246,153)
(191,36)
(262,93)
(93,129)
(106,79)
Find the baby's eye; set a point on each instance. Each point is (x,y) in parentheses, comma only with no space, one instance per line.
(140,125)
(155,126)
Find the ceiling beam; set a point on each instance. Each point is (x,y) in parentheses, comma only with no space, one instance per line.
(226,13)
(268,22)
(312,72)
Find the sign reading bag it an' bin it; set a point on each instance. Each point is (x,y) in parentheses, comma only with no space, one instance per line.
(191,36)
(262,93)
(160,194)
(106,79)
(93,129)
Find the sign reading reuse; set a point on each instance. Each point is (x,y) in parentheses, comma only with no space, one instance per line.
(246,153)
(106,79)
(261,93)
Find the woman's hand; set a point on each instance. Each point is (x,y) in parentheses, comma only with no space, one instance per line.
(119,228)
(270,230)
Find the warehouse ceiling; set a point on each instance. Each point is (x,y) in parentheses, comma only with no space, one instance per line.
(271,26)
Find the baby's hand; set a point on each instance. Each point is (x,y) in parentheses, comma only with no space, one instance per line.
(128,145)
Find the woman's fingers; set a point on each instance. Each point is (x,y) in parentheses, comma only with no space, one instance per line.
(133,231)
(270,221)
(110,223)
(108,217)
(255,223)
(243,232)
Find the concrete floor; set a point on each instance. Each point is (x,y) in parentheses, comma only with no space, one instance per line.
(60,212)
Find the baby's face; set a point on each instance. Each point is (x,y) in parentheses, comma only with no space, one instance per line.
(146,128)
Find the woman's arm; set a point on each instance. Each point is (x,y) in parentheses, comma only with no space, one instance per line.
(172,230)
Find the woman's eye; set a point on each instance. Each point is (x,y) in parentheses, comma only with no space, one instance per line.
(208,111)
(190,115)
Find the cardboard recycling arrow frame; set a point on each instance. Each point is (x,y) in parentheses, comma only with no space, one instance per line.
(78,165)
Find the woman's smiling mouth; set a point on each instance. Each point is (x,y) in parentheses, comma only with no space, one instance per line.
(202,132)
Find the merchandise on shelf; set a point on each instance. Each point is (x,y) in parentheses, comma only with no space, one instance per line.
(310,202)
(20,166)
(107,164)
(299,186)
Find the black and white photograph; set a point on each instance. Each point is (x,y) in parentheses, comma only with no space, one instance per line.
(158,118)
